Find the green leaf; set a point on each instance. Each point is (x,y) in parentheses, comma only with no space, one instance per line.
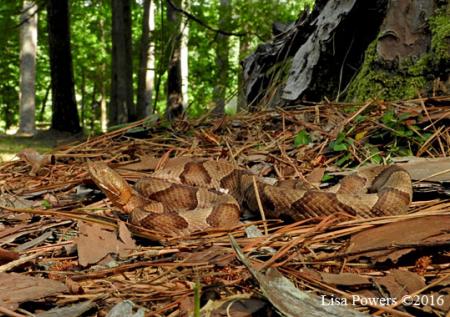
(302,138)
(46,204)
(337,147)
(343,159)
(326,177)
(388,118)
(376,159)
(404,116)
(360,118)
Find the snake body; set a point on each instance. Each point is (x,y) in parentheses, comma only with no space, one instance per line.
(195,194)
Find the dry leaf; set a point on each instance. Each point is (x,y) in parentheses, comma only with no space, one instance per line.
(346,279)
(7,256)
(95,242)
(288,299)
(400,282)
(18,288)
(395,239)
(36,160)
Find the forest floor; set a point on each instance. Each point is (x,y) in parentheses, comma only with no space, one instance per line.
(44,141)
(62,246)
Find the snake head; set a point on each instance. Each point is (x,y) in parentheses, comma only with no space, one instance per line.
(111,183)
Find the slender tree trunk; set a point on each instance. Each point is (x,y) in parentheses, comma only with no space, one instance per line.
(244,46)
(121,107)
(222,61)
(44,102)
(102,88)
(28,44)
(83,98)
(147,62)
(184,56)
(175,105)
(64,107)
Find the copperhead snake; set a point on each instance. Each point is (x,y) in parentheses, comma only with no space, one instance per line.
(195,194)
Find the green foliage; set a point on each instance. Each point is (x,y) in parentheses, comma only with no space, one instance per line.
(398,135)
(9,64)
(440,30)
(342,143)
(253,19)
(302,138)
(402,133)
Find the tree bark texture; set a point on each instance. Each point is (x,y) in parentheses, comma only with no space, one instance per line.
(175,103)
(222,58)
(146,62)
(28,44)
(121,109)
(64,108)
(354,49)
(410,57)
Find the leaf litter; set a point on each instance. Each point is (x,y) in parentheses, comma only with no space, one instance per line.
(61,236)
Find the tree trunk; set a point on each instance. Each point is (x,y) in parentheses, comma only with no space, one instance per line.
(121,109)
(102,84)
(410,56)
(147,62)
(355,49)
(175,104)
(222,62)
(64,107)
(244,46)
(28,44)
(184,56)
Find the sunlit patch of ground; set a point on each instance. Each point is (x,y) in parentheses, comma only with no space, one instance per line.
(43,141)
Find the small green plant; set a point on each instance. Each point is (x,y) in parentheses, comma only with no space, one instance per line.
(401,136)
(302,138)
(46,204)
(342,143)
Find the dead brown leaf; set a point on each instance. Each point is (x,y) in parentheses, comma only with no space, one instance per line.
(399,283)
(19,288)
(7,256)
(95,242)
(346,279)
(36,160)
(395,239)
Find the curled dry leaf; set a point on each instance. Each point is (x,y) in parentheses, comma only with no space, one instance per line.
(36,160)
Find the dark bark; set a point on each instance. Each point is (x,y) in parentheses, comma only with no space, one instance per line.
(121,109)
(64,107)
(175,102)
(354,49)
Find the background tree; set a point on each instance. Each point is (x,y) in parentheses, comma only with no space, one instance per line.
(28,46)
(175,103)
(184,55)
(91,47)
(121,108)
(146,61)
(64,107)
(222,52)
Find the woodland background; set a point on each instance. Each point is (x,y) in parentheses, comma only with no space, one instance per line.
(208,66)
